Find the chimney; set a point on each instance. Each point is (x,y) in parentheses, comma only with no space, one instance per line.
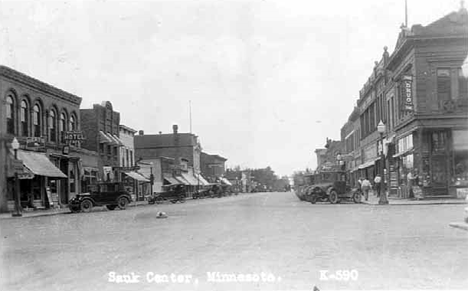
(175,128)
(141,132)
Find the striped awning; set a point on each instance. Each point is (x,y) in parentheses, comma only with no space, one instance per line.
(203,181)
(225,181)
(104,138)
(181,180)
(367,164)
(171,180)
(39,164)
(190,178)
(137,176)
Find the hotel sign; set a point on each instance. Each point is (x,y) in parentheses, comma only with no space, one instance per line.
(74,136)
(407,93)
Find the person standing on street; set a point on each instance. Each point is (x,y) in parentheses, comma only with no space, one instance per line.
(366,186)
(377,184)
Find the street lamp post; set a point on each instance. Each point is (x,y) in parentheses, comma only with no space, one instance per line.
(383,194)
(151,177)
(15,146)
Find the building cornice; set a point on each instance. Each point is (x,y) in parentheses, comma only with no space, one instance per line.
(39,85)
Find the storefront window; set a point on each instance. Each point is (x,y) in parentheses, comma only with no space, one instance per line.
(439,141)
(72,181)
(460,162)
(462,84)
(36,188)
(461,168)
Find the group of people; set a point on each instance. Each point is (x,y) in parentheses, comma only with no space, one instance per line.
(365,186)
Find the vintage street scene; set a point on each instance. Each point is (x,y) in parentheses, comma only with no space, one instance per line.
(233,145)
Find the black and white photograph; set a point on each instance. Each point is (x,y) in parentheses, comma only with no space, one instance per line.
(226,145)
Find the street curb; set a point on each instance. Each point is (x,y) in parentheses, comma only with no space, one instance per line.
(33,215)
(7,216)
(417,203)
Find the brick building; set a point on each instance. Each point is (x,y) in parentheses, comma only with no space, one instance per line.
(46,122)
(177,154)
(328,155)
(174,145)
(101,127)
(429,93)
(419,92)
(212,166)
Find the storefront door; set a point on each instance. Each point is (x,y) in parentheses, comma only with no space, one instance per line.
(439,175)
(64,186)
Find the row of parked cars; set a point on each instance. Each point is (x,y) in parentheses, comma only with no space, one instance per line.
(113,195)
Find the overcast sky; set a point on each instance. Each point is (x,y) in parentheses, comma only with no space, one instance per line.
(268,80)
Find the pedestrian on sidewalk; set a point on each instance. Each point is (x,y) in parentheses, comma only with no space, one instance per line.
(377,184)
(365,187)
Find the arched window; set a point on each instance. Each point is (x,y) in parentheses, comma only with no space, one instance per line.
(52,126)
(37,120)
(10,114)
(63,126)
(24,118)
(71,123)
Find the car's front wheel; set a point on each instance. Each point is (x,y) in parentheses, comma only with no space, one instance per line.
(111,207)
(357,197)
(86,205)
(122,203)
(333,197)
(313,199)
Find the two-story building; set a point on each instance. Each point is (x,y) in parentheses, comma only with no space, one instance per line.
(419,93)
(182,149)
(46,122)
(428,100)
(212,166)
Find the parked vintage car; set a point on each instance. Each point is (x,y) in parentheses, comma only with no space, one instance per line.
(173,193)
(109,194)
(330,185)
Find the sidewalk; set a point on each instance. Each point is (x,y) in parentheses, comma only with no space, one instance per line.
(55,211)
(373,200)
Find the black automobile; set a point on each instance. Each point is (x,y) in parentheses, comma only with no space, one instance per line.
(174,193)
(111,195)
(330,185)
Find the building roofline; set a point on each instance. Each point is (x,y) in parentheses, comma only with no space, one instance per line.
(39,85)
(127,128)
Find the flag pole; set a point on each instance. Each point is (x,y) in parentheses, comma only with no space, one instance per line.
(190,114)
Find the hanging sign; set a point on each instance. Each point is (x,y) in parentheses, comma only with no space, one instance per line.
(407,93)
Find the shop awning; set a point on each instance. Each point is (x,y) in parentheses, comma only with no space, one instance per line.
(137,176)
(190,178)
(182,180)
(403,153)
(367,164)
(171,180)
(116,139)
(203,181)
(39,164)
(103,138)
(225,181)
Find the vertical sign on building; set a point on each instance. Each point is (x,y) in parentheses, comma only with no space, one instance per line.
(407,93)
